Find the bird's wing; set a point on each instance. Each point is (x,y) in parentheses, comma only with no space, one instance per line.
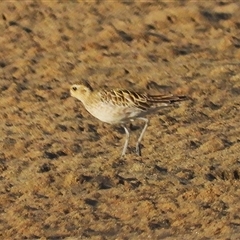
(125,98)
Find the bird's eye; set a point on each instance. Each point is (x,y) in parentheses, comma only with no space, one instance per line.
(74,88)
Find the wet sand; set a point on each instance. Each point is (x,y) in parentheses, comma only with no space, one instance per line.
(61,175)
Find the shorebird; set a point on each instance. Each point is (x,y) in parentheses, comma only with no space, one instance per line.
(119,106)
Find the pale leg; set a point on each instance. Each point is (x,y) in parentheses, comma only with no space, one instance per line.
(126,141)
(141,136)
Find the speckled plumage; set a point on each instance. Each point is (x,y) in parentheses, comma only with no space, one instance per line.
(119,106)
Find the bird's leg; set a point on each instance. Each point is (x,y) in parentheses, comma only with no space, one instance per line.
(138,151)
(126,141)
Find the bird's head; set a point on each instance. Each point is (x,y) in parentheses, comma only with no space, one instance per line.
(80,92)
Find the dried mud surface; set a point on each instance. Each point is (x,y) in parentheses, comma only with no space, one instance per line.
(61,175)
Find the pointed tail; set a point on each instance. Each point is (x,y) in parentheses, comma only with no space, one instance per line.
(165,98)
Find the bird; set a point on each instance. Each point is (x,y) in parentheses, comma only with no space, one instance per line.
(120,106)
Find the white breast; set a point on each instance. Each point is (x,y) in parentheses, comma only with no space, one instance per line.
(112,114)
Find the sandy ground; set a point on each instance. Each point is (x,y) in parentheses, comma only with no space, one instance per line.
(61,175)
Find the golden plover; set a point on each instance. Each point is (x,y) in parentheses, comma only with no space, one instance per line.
(119,106)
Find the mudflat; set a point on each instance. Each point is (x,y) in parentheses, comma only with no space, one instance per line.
(61,176)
